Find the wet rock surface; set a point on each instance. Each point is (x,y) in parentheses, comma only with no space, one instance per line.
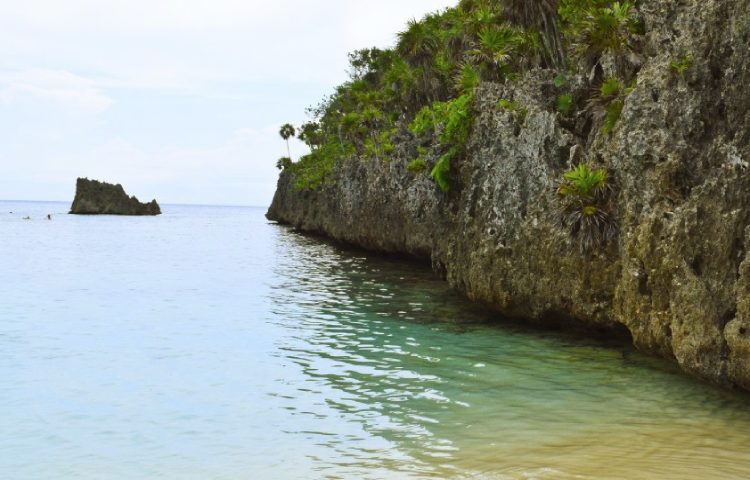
(101,198)
(677,276)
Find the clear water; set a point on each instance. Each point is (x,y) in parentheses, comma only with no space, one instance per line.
(207,343)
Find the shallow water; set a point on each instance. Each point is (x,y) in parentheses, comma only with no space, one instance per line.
(207,343)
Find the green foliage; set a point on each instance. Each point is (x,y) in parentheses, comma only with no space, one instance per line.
(609,102)
(560,80)
(585,201)
(565,103)
(541,16)
(496,45)
(608,28)
(681,65)
(370,64)
(441,172)
(286,131)
(427,81)
(424,121)
(312,170)
(467,79)
(514,107)
(385,139)
(379,145)
(311,134)
(600,26)
(417,165)
(283,163)
(450,122)
(612,114)
(611,87)
(584,182)
(457,118)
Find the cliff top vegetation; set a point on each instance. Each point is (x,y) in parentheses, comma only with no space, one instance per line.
(423,87)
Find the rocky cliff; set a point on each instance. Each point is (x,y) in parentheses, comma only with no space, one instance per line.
(101,198)
(677,276)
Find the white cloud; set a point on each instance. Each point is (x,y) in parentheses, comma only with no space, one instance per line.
(58,88)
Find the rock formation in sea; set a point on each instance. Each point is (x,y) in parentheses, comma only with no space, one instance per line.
(101,198)
(676,274)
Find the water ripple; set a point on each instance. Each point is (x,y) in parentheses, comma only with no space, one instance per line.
(210,344)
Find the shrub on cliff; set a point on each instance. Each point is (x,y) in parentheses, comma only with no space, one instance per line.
(565,103)
(449,123)
(543,17)
(519,110)
(417,165)
(584,196)
(681,65)
(596,27)
(283,163)
(608,102)
(310,134)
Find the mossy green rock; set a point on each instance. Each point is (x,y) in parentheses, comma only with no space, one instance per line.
(101,198)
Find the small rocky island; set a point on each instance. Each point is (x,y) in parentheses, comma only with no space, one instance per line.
(101,198)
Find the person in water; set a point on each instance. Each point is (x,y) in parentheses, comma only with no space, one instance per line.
(49,216)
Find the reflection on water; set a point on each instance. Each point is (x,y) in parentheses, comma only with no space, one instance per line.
(209,344)
(409,379)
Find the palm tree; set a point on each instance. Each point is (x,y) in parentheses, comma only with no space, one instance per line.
(287,131)
(541,14)
(494,49)
(418,42)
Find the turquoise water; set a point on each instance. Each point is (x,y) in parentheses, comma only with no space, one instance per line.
(209,344)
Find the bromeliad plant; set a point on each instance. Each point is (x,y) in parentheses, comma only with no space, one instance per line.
(608,102)
(565,103)
(681,65)
(585,200)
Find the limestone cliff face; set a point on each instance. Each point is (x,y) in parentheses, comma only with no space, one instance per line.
(100,198)
(678,274)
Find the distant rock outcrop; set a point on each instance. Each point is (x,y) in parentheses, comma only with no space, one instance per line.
(101,198)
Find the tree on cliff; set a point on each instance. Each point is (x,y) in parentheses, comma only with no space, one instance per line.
(287,131)
(311,134)
(542,15)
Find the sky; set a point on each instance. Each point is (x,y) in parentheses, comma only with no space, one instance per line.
(179,100)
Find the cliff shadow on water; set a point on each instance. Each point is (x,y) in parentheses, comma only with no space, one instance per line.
(611,194)
(396,268)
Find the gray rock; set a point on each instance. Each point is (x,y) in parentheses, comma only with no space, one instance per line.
(100,198)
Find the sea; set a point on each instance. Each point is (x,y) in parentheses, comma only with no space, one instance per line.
(210,343)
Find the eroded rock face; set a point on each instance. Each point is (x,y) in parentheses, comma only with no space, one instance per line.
(678,275)
(100,198)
